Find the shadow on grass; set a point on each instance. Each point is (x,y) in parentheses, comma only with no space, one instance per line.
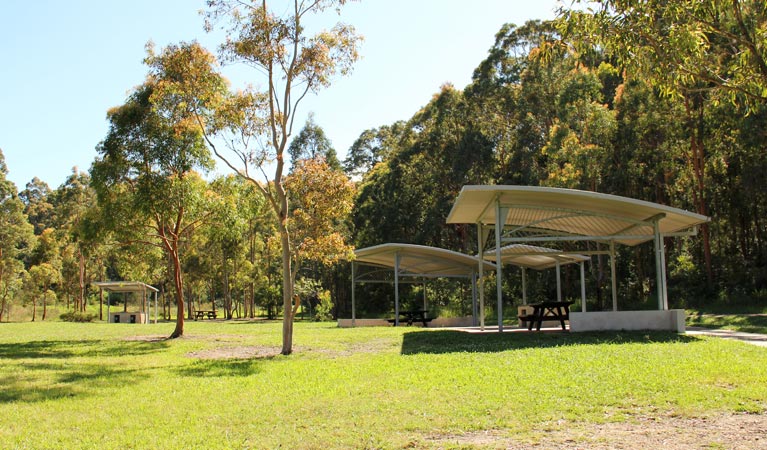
(451,341)
(44,370)
(51,381)
(68,349)
(222,368)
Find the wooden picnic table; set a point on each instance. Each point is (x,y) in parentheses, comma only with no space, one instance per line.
(201,314)
(547,311)
(418,315)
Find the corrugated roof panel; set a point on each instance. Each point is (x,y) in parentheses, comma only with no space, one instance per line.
(572,211)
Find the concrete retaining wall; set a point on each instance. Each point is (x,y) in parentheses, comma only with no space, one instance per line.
(672,320)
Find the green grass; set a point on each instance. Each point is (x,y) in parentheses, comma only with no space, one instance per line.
(67,385)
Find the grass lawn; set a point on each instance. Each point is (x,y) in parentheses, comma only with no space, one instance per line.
(102,386)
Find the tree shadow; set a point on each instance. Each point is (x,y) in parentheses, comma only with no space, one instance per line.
(452,341)
(68,349)
(222,368)
(67,380)
(43,370)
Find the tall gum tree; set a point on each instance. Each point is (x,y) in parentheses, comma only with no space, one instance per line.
(16,238)
(146,181)
(696,51)
(255,125)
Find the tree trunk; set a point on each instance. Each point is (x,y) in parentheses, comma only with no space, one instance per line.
(34,310)
(697,156)
(251,286)
(227,292)
(287,292)
(179,283)
(83,284)
(3,305)
(45,306)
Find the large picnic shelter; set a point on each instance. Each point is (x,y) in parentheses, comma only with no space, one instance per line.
(410,263)
(532,214)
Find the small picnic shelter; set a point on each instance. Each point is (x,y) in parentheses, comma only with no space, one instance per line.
(533,214)
(142,290)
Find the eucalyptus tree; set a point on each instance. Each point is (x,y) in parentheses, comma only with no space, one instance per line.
(700,52)
(323,200)
(146,181)
(713,45)
(311,142)
(16,239)
(513,96)
(38,207)
(580,141)
(256,125)
(373,146)
(41,277)
(73,202)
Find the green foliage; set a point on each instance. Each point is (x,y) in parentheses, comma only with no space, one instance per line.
(324,310)
(312,143)
(679,45)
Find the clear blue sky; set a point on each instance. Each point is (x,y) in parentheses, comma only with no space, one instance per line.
(65,63)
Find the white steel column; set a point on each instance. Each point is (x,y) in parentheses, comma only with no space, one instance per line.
(396,289)
(559,283)
(500,221)
(425,302)
(354,281)
(583,287)
(660,268)
(524,286)
(612,276)
(474,299)
(663,272)
(481,279)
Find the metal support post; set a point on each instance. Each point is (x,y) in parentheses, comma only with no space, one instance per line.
(354,304)
(612,276)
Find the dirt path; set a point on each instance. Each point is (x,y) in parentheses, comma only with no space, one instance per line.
(729,431)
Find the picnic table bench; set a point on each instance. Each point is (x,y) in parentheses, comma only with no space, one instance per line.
(200,314)
(547,311)
(409,317)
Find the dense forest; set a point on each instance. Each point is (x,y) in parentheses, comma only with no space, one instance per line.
(607,102)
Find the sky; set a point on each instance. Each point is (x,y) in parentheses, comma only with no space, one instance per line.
(63,64)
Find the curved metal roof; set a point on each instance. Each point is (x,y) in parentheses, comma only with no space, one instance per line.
(532,257)
(569,212)
(421,260)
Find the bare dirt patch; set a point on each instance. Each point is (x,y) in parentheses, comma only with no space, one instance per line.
(238,352)
(726,431)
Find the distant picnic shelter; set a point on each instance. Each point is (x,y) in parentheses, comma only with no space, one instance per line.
(143,290)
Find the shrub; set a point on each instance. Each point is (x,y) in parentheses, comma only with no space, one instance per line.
(324,312)
(72,316)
